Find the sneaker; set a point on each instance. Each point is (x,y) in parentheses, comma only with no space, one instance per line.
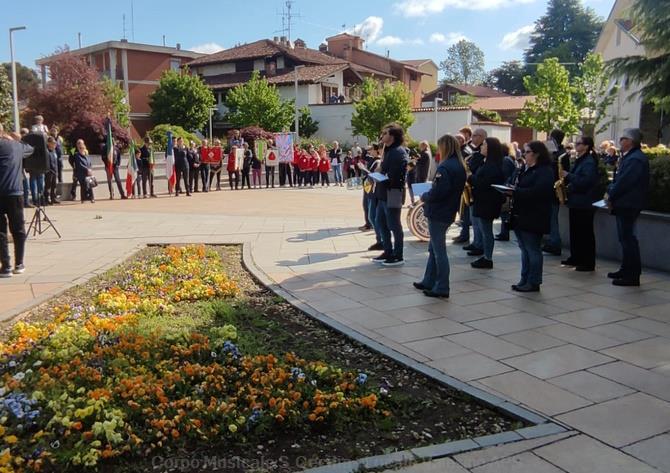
(376,247)
(470,248)
(419,286)
(393,261)
(482,263)
(365,228)
(5,273)
(19,269)
(381,258)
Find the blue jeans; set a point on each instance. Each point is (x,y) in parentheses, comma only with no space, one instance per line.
(26,189)
(436,276)
(388,221)
(631,265)
(486,231)
(36,187)
(372,218)
(465,224)
(337,172)
(477,241)
(531,257)
(554,233)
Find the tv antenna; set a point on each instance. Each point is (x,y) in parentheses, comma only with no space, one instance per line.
(287,18)
(132,20)
(124,26)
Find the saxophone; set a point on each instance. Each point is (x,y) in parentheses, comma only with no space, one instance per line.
(559,185)
(466,196)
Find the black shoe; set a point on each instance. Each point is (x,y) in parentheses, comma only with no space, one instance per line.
(123,197)
(476,252)
(419,286)
(585,269)
(615,275)
(6,272)
(527,288)
(470,248)
(429,293)
(501,237)
(393,261)
(482,263)
(460,239)
(381,258)
(376,247)
(568,262)
(365,228)
(552,250)
(626,282)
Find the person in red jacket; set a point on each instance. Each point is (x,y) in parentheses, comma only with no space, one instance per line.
(324,166)
(303,165)
(313,165)
(233,169)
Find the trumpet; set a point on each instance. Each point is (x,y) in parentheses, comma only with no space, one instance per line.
(559,186)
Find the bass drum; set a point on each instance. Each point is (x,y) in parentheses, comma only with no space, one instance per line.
(417,223)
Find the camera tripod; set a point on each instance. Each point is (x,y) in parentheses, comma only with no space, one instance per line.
(36,223)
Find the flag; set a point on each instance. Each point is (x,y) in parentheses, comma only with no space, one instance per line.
(131,174)
(109,143)
(169,163)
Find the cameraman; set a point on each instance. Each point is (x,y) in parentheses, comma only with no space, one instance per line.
(12,154)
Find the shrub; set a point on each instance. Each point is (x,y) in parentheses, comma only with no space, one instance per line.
(659,183)
(253,133)
(413,144)
(90,127)
(159,135)
(657,152)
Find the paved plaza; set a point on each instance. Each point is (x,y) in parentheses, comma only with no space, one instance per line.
(593,357)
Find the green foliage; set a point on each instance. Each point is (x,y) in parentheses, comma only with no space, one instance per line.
(159,135)
(553,106)
(6,102)
(507,78)
(659,184)
(308,126)
(657,152)
(464,64)
(181,99)
(379,105)
(461,100)
(117,97)
(568,31)
(413,144)
(258,103)
(490,115)
(594,95)
(27,80)
(651,19)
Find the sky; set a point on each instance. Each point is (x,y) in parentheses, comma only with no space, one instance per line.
(408,29)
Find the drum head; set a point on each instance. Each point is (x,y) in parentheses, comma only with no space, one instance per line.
(417,222)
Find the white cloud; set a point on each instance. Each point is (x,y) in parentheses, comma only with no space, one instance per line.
(207,48)
(389,41)
(449,39)
(414,8)
(518,39)
(369,29)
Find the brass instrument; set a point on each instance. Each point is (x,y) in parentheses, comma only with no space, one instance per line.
(559,186)
(466,196)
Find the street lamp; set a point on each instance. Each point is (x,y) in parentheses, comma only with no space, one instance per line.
(211,112)
(437,101)
(297,115)
(15,94)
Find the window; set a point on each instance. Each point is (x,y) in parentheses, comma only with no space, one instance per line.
(244,66)
(175,64)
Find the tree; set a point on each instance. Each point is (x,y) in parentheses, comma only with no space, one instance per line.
(92,128)
(594,95)
(553,106)
(258,103)
(379,105)
(308,126)
(181,99)
(651,19)
(567,31)
(464,64)
(27,80)
(6,102)
(461,100)
(117,97)
(508,78)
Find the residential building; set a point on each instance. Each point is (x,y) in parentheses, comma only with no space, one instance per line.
(429,77)
(137,68)
(448,93)
(508,107)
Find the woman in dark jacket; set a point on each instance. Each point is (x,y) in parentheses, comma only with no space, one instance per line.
(488,201)
(82,169)
(532,199)
(423,163)
(440,206)
(582,186)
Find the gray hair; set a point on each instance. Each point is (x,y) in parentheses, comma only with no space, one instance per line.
(634,134)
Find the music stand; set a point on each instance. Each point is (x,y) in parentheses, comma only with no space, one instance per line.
(36,223)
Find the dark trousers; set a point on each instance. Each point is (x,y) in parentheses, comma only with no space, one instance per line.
(389,224)
(582,237)
(315,177)
(50,187)
(296,175)
(193,174)
(465,223)
(270,176)
(372,218)
(182,175)
(147,177)
(117,178)
(245,178)
(60,170)
(285,174)
(11,212)
(366,208)
(86,190)
(234,178)
(631,265)
(324,179)
(217,172)
(204,177)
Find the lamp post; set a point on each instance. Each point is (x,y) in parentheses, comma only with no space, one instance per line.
(211,112)
(437,102)
(297,115)
(15,94)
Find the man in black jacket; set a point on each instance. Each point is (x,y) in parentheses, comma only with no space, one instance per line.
(51,176)
(554,244)
(116,163)
(475,160)
(181,166)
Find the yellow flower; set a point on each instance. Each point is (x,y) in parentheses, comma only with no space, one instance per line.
(11,439)
(232,428)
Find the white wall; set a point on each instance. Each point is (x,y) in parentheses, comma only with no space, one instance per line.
(287,92)
(216,69)
(448,121)
(335,123)
(502,132)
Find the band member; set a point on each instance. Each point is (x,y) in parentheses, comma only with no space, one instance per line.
(204,167)
(181,166)
(532,199)
(509,170)
(627,196)
(553,245)
(582,189)
(116,164)
(474,161)
(146,167)
(441,204)
(233,170)
(215,169)
(373,165)
(193,167)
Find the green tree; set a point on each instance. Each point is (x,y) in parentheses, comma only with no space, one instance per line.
(308,126)
(461,100)
(181,99)
(553,106)
(464,64)
(27,80)
(6,102)
(567,31)
(117,97)
(379,105)
(507,78)
(651,19)
(594,95)
(258,103)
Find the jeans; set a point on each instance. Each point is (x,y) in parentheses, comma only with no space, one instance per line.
(436,276)
(582,237)
(554,234)
(631,265)
(11,211)
(531,257)
(372,217)
(36,187)
(337,172)
(389,223)
(26,188)
(204,177)
(486,230)
(50,179)
(477,241)
(465,224)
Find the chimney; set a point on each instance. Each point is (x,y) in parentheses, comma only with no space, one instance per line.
(275,39)
(284,41)
(178,46)
(124,40)
(388,53)
(323,47)
(299,43)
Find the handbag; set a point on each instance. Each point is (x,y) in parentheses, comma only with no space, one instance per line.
(91,181)
(394,198)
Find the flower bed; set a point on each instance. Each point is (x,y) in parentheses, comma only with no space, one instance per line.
(169,355)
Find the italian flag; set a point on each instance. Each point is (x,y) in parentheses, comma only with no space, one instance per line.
(109,142)
(169,163)
(131,174)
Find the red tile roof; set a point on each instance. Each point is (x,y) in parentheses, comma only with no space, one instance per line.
(474,90)
(509,103)
(307,74)
(417,62)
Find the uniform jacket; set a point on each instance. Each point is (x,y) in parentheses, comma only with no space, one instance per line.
(533,198)
(488,201)
(628,193)
(582,183)
(444,198)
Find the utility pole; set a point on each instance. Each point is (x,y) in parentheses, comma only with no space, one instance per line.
(15,93)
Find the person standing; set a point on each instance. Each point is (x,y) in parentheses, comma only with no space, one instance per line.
(51,175)
(424,163)
(335,156)
(509,170)
(440,206)
(82,170)
(627,196)
(305,177)
(554,244)
(233,170)
(374,164)
(181,167)
(54,133)
(146,167)
(193,166)
(256,170)
(246,166)
(39,126)
(204,166)
(324,166)
(488,201)
(474,161)
(313,166)
(215,169)
(532,199)
(116,164)
(582,188)
(12,154)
